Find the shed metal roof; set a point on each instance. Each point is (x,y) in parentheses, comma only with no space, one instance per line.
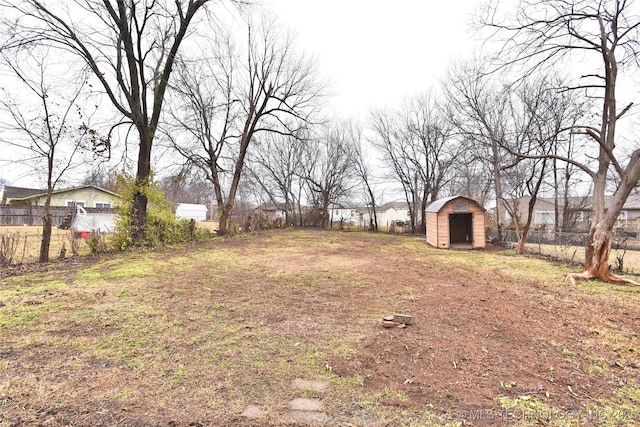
(439,204)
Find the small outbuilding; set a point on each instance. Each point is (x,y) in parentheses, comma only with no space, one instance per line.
(456,222)
(191,211)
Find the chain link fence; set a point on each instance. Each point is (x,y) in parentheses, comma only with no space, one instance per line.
(570,247)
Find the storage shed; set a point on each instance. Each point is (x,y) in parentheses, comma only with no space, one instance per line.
(456,222)
(191,211)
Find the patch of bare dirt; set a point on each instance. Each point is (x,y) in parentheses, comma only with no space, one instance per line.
(477,335)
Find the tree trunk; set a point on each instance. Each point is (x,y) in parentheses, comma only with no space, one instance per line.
(139,216)
(225,218)
(45,244)
(138,211)
(497,183)
(601,232)
(522,240)
(325,221)
(598,251)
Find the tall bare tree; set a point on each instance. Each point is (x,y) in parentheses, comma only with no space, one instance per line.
(480,111)
(276,165)
(328,162)
(129,45)
(603,35)
(363,169)
(417,144)
(429,134)
(42,124)
(271,88)
(538,116)
(470,174)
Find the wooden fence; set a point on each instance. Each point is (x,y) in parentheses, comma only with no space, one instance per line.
(32,215)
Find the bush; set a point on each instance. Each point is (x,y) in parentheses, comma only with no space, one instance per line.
(97,243)
(8,247)
(162,227)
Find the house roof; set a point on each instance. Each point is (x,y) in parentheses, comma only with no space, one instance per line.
(18,193)
(394,205)
(439,204)
(586,203)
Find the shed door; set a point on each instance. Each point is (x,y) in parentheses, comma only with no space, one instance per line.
(461,228)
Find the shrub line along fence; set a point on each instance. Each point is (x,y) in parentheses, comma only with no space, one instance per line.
(570,247)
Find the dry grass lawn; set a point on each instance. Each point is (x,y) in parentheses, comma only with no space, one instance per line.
(196,335)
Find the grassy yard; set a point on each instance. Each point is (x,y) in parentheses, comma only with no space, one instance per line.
(27,239)
(575,254)
(197,335)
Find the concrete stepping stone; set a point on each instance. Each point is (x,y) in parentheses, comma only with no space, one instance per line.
(305,410)
(252,412)
(304,404)
(315,385)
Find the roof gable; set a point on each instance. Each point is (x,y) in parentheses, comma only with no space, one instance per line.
(439,204)
(18,193)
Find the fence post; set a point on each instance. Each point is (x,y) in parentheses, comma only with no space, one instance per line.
(539,243)
(585,239)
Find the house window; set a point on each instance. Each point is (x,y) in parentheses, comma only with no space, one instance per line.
(622,216)
(75,202)
(545,217)
(106,205)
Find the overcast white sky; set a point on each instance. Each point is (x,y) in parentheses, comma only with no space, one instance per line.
(376,52)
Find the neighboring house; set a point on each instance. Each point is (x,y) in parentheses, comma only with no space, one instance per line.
(339,213)
(393,213)
(629,216)
(579,209)
(544,212)
(388,215)
(364,217)
(86,196)
(25,206)
(270,212)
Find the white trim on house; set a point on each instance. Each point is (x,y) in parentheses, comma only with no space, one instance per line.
(545,217)
(82,203)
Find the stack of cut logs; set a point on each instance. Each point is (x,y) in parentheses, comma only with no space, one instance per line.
(397,321)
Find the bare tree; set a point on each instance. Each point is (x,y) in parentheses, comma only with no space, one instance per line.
(604,32)
(481,116)
(539,114)
(429,133)
(470,173)
(363,170)
(276,165)
(130,47)
(274,89)
(416,142)
(328,162)
(40,124)
(388,139)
